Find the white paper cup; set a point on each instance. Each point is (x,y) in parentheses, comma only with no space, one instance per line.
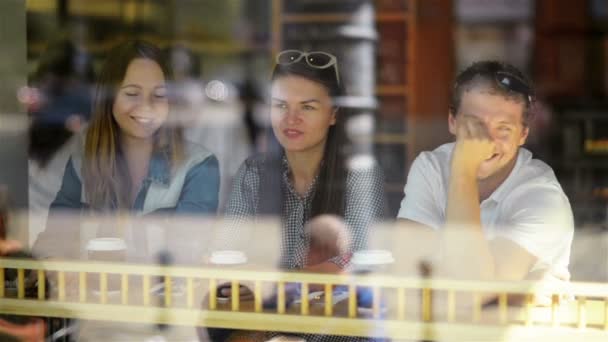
(371,260)
(228,258)
(110,250)
(106,249)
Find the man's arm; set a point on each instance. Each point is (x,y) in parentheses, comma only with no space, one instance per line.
(467,252)
(511,261)
(420,205)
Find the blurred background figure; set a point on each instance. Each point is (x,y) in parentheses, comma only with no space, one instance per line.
(254,109)
(211,113)
(59,107)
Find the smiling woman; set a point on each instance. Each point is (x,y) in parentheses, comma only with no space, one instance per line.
(141,105)
(133,157)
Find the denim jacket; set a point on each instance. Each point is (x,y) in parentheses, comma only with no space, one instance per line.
(192,188)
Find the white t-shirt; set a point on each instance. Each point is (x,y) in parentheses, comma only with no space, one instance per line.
(528,208)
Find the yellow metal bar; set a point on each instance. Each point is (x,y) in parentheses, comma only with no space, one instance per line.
(352,301)
(61,285)
(397,330)
(82,287)
(328,300)
(376,301)
(503,307)
(529,306)
(21,283)
(304,299)
(212,294)
(236,295)
(582,312)
(401,303)
(1,282)
(426,304)
(190,292)
(281,297)
(41,285)
(168,291)
(555,310)
(476,307)
(103,287)
(146,290)
(388,281)
(124,288)
(257,296)
(451,306)
(606,313)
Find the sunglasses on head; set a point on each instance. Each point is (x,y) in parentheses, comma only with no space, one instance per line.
(513,83)
(314,59)
(508,82)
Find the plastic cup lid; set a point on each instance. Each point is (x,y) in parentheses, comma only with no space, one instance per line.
(228,258)
(106,244)
(372,257)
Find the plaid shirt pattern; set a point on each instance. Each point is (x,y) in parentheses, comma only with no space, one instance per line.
(365,204)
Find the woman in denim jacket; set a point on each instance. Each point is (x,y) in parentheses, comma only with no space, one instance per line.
(133,156)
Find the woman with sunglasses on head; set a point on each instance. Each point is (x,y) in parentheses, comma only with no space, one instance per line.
(308,176)
(132,158)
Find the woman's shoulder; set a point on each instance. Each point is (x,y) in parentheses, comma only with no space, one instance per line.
(368,176)
(364,169)
(256,161)
(196,153)
(252,169)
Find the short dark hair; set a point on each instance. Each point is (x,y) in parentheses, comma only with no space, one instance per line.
(502,78)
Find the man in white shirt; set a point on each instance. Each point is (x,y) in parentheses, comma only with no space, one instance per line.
(504,214)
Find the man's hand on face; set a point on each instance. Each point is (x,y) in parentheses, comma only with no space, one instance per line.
(474,145)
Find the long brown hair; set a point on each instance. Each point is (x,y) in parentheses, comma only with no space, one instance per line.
(106,176)
(330,193)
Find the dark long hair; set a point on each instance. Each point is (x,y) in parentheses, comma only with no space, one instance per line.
(106,180)
(329,195)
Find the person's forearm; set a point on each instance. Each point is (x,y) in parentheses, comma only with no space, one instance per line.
(466,252)
(463,199)
(324,267)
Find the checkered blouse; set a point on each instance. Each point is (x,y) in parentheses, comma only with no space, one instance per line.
(365,203)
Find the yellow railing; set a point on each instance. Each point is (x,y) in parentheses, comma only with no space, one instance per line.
(402,308)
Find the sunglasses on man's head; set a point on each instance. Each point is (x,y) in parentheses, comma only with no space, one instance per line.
(512,83)
(507,81)
(314,59)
